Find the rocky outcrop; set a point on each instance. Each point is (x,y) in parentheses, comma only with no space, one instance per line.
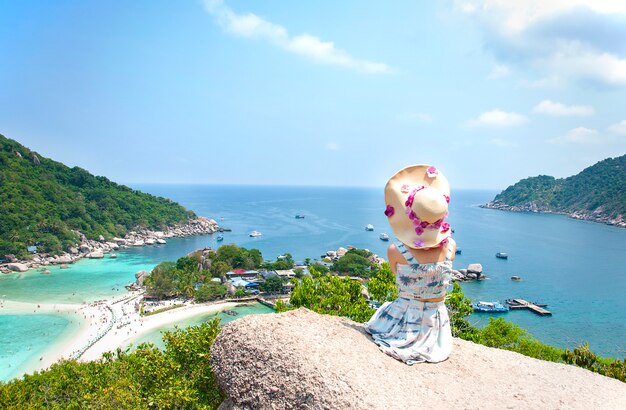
(302,360)
(97,248)
(95,255)
(17,267)
(473,271)
(593,216)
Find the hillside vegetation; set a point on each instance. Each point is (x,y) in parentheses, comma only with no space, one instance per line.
(44,203)
(598,192)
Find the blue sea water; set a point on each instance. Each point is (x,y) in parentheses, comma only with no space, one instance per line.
(576,267)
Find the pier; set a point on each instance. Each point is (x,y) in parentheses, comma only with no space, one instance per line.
(522,304)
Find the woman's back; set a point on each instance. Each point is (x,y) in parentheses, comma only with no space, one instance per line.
(423,280)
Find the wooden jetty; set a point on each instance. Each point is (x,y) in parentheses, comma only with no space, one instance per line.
(522,304)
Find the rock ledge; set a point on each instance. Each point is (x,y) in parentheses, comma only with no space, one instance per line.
(303,360)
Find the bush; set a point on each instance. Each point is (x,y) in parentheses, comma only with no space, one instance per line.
(179,377)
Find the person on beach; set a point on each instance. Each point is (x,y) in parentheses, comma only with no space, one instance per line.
(415,327)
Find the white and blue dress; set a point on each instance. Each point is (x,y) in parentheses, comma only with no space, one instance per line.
(407,328)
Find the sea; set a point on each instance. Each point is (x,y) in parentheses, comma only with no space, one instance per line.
(576,267)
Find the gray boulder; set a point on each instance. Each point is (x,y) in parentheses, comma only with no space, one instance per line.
(475,268)
(95,255)
(302,360)
(17,267)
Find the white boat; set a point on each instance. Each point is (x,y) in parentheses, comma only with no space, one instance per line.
(254,234)
(113,256)
(384,237)
(369,227)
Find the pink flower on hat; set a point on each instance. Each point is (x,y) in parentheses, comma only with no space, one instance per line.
(445,227)
(389,211)
(418,243)
(419,230)
(432,172)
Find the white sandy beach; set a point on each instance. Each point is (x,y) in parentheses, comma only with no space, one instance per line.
(101,326)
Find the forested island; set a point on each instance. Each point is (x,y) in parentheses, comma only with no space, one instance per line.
(51,207)
(598,194)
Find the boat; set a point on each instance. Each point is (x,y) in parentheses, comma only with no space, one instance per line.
(502,255)
(113,256)
(516,278)
(384,237)
(490,307)
(220,238)
(254,234)
(299,216)
(458,251)
(369,227)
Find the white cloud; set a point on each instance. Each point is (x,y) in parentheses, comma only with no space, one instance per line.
(499,71)
(572,39)
(579,135)
(332,146)
(305,45)
(499,119)
(516,16)
(559,110)
(619,128)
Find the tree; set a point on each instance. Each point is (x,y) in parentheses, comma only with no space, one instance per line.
(273,284)
(331,295)
(318,269)
(219,269)
(210,291)
(187,264)
(459,307)
(354,264)
(179,377)
(382,287)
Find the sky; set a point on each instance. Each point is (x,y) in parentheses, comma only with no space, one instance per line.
(316,92)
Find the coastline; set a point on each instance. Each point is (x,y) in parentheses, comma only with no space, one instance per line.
(96,249)
(116,320)
(69,340)
(533,208)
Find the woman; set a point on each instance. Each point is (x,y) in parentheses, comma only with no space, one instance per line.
(415,327)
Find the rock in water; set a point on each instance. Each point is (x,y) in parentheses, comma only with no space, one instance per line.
(17,267)
(302,360)
(475,268)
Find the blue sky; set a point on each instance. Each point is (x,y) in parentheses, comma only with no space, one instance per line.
(316,92)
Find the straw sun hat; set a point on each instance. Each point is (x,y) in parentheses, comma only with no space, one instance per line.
(417,200)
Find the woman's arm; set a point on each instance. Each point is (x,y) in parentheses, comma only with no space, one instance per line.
(453,243)
(394,257)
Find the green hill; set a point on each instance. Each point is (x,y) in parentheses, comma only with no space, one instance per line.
(44,203)
(597,193)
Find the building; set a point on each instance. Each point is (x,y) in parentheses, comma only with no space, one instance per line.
(242,273)
(289,273)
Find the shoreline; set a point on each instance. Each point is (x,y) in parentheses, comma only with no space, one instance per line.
(100,327)
(96,249)
(531,208)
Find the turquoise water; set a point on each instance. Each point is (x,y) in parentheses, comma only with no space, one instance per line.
(156,337)
(25,337)
(576,267)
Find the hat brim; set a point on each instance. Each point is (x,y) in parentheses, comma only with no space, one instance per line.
(395,196)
